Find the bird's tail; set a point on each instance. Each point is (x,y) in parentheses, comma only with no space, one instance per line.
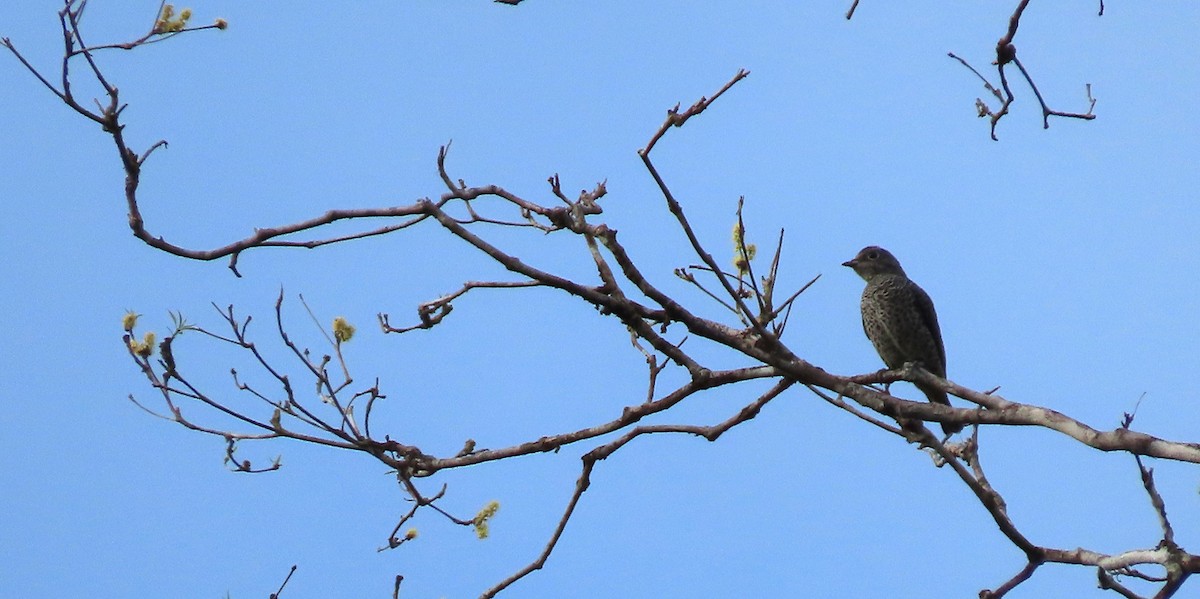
(938,396)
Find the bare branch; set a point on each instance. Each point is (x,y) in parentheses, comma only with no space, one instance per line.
(431,313)
(277,593)
(677,119)
(1006,52)
(589,463)
(850,12)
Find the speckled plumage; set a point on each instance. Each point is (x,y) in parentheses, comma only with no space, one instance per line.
(899,319)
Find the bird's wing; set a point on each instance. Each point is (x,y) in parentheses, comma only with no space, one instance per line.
(929,318)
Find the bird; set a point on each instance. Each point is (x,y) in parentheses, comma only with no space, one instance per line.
(899,319)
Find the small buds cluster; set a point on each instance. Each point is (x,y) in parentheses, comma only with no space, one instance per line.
(481,519)
(742,253)
(145,347)
(342,331)
(129,320)
(168,22)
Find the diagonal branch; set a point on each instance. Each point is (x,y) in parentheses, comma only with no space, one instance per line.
(710,433)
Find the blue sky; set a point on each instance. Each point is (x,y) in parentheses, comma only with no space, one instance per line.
(1061,262)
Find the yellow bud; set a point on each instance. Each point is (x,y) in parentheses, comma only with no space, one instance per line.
(129,320)
(145,347)
(342,330)
(741,265)
(481,519)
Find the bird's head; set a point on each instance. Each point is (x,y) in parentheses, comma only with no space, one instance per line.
(874,260)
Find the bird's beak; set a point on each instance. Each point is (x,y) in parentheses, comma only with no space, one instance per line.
(850,263)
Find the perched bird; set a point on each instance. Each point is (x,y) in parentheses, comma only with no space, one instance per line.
(899,319)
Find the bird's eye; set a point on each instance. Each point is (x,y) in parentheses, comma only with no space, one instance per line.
(873,255)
